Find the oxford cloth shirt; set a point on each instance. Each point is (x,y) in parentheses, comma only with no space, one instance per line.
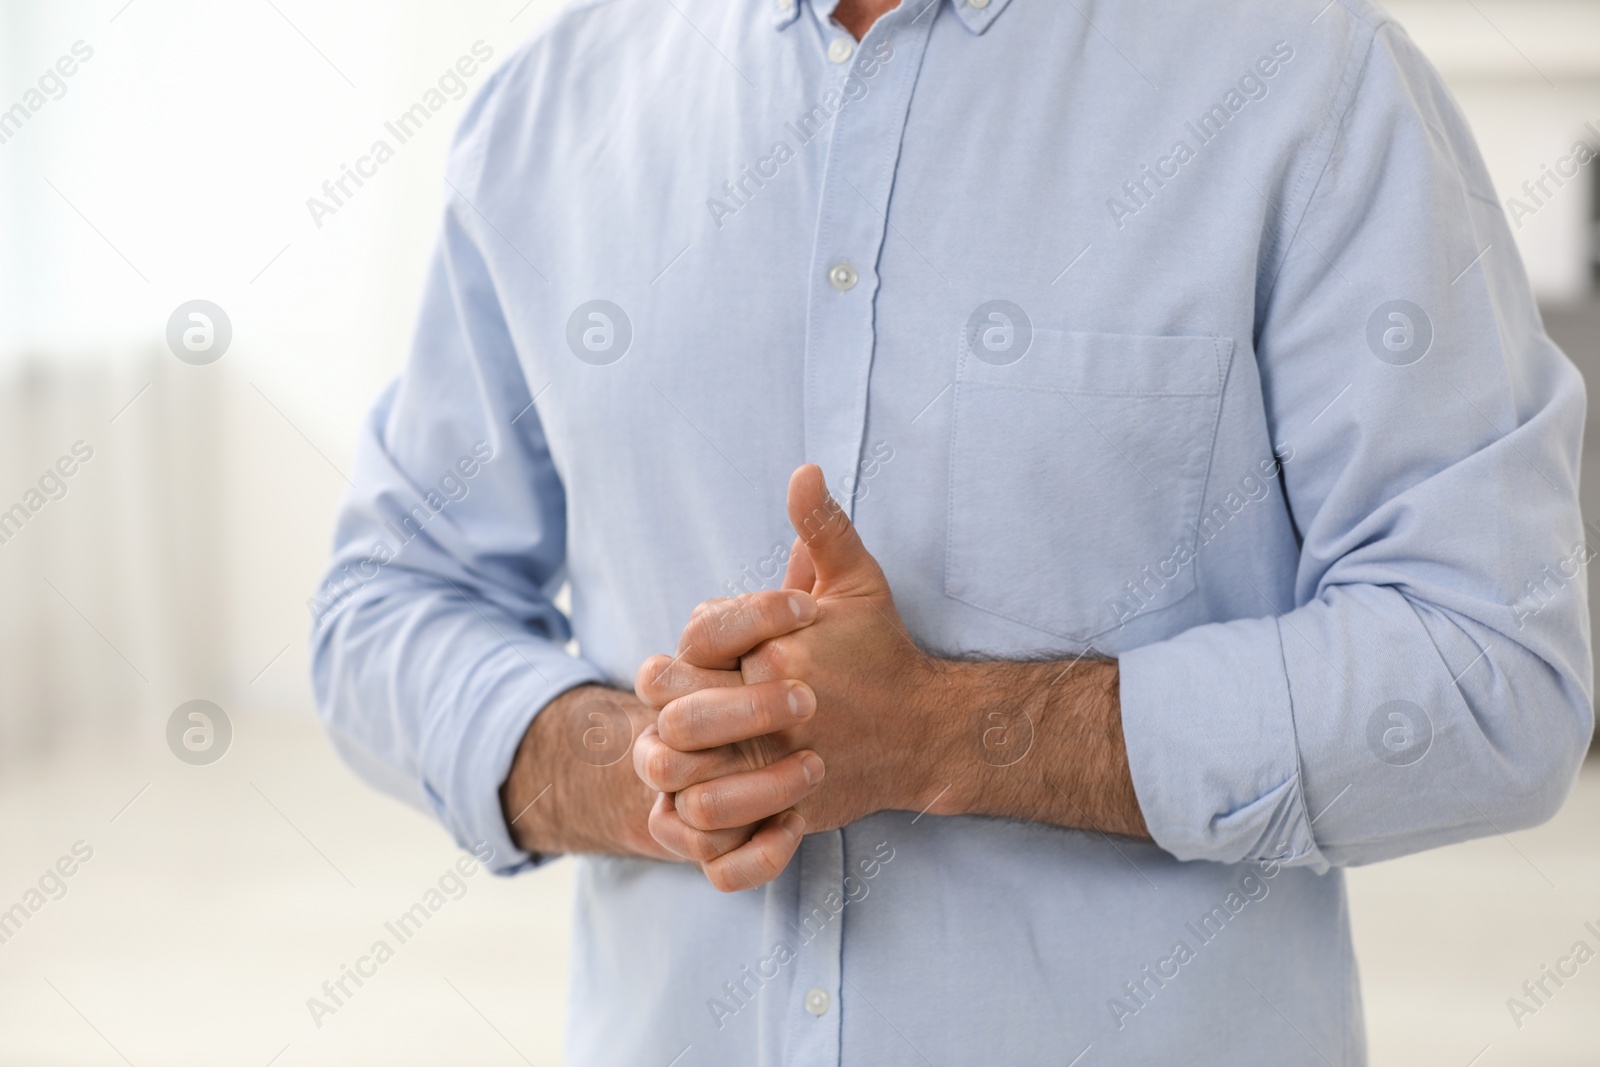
(1186,333)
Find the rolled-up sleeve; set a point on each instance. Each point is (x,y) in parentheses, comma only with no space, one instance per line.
(435,640)
(1431,682)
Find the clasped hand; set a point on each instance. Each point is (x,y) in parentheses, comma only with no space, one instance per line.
(788,711)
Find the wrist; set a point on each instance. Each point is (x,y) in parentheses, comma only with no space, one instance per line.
(571,786)
(943,740)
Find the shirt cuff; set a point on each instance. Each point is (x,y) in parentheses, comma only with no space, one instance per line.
(1209,726)
(470,754)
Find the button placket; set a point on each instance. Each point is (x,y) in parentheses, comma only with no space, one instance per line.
(852,221)
(817,935)
(863,151)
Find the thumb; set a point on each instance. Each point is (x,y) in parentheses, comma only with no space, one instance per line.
(840,561)
(799,574)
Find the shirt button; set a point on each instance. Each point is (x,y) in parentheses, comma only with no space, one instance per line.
(841,49)
(979,4)
(785,6)
(817,1001)
(842,276)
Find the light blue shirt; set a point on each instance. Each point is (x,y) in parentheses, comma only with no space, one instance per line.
(1186,333)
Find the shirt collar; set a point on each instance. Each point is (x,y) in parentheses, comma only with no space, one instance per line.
(976,15)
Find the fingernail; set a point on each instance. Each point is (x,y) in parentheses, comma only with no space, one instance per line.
(803,607)
(793,825)
(801,702)
(813,767)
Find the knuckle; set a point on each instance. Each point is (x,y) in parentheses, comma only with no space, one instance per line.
(676,680)
(724,614)
(647,682)
(683,722)
(777,657)
(699,634)
(670,723)
(660,764)
(697,719)
(778,791)
(702,807)
(730,873)
(757,665)
(749,868)
(701,848)
(747,706)
(767,864)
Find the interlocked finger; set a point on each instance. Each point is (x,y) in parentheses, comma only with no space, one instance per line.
(721,631)
(681,839)
(666,769)
(750,796)
(759,860)
(709,718)
(663,679)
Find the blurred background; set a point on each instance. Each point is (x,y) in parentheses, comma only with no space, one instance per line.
(207,903)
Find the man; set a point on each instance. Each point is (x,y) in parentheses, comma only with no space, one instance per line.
(1122,475)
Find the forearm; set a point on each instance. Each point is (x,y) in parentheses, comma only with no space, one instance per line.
(1035,741)
(572,786)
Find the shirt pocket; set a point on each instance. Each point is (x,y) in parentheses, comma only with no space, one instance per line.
(1077,474)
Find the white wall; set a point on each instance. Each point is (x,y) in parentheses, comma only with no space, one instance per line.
(176,166)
